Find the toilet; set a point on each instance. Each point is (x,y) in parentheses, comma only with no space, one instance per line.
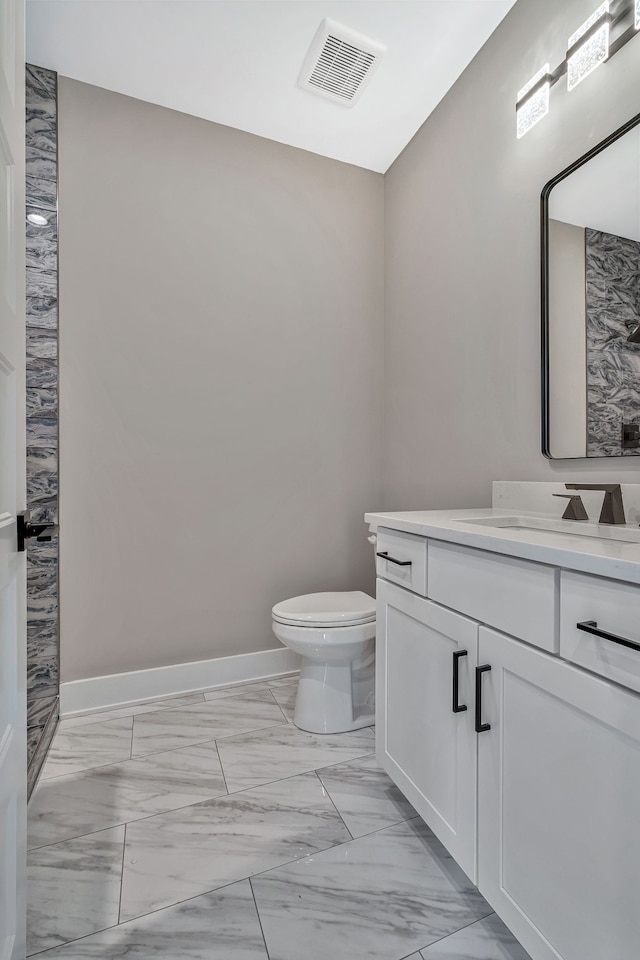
(334,634)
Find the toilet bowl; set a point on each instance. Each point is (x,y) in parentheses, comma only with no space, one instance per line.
(334,634)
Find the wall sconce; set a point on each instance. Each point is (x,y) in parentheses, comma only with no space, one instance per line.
(533,100)
(587,48)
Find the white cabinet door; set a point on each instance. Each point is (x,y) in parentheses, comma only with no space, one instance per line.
(428,750)
(559,804)
(13,720)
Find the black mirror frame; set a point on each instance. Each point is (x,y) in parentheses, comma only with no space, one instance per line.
(544,265)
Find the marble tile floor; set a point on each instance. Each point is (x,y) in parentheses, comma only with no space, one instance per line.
(208,827)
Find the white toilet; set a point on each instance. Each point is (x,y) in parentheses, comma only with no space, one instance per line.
(334,633)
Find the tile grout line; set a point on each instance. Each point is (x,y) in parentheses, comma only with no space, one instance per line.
(59,946)
(333,804)
(250,877)
(178,696)
(142,916)
(253,894)
(279,707)
(224,778)
(260,697)
(59,732)
(171,906)
(229,796)
(220,796)
(144,757)
(155,753)
(454,932)
(124,849)
(125,716)
(335,846)
(199,743)
(163,709)
(98,766)
(328,766)
(166,709)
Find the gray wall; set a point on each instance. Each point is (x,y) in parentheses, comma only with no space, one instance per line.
(567,340)
(220,361)
(462,389)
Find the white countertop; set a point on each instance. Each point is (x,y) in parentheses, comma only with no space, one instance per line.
(605,558)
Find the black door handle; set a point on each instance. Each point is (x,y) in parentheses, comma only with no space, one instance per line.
(480,726)
(44,531)
(590,626)
(457,707)
(400,563)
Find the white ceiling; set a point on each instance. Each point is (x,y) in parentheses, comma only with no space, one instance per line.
(237,62)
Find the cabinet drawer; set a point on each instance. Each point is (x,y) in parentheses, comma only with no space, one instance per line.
(615,607)
(410,554)
(515,596)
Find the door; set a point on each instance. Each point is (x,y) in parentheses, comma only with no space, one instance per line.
(13,751)
(559,782)
(427,749)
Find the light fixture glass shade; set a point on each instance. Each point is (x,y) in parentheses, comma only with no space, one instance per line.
(592,52)
(536,106)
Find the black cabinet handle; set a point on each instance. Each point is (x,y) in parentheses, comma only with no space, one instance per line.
(457,707)
(590,626)
(480,726)
(400,563)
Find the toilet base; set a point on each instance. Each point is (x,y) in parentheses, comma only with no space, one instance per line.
(324,702)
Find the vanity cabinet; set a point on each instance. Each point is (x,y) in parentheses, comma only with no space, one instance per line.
(402,558)
(516,596)
(559,783)
(534,788)
(614,607)
(422,651)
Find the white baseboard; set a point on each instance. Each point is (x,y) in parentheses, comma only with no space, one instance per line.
(122,689)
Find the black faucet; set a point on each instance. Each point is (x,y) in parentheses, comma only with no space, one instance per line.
(612,506)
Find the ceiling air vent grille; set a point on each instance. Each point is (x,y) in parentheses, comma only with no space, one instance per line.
(340,62)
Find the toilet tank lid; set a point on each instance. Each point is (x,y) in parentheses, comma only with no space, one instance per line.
(329,608)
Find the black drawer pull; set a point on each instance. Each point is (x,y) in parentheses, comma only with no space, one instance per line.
(590,626)
(457,706)
(480,726)
(400,563)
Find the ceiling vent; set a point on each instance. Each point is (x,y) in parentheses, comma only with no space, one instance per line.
(340,63)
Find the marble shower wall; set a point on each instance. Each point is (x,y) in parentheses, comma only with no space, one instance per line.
(613,364)
(42,408)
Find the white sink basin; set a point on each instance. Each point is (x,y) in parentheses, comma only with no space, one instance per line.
(628,533)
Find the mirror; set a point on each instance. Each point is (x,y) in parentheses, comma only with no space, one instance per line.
(591,303)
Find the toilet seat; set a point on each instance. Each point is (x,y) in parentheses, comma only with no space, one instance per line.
(326,610)
(324,623)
